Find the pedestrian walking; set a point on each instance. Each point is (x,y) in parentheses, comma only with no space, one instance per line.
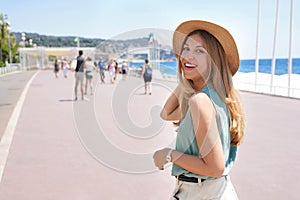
(147,75)
(56,68)
(116,70)
(124,70)
(65,67)
(207,111)
(79,75)
(111,71)
(89,73)
(101,66)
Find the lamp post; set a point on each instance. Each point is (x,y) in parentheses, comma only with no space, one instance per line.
(1,33)
(9,47)
(23,37)
(30,42)
(8,36)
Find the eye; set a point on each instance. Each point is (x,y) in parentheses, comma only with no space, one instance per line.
(185,48)
(199,51)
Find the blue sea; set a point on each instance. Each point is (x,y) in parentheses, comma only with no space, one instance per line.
(281,66)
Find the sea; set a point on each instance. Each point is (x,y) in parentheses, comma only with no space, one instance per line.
(246,66)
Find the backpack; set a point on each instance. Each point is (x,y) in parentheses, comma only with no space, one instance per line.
(148,71)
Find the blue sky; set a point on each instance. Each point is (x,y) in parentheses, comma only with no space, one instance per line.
(106,19)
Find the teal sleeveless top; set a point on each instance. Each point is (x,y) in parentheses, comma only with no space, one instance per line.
(186,139)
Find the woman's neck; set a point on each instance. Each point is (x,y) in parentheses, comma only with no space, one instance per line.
(198,85)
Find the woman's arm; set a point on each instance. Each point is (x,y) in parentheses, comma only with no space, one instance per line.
(211,163)
(171,110)
(143,70)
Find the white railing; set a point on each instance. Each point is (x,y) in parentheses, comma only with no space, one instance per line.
(246,82)
(10,68)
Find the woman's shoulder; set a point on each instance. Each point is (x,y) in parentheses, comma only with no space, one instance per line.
(200,101)
(201,97)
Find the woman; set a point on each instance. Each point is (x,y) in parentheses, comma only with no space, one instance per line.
(65,66)
(207,110)
(147,75)
(124,70)
(89,65)
(56,68)
(111,71)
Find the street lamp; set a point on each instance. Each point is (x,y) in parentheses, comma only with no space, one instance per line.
(23,37)
(1,33)
(9,47)
(8,32)
(30,42)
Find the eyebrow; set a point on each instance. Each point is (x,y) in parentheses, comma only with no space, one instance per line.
(196,46)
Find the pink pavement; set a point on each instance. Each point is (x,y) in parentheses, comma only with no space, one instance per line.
(48,161)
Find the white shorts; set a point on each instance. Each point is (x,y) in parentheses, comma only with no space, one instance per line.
(79,78)
(220,188)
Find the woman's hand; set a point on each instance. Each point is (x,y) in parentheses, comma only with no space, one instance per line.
(159,158)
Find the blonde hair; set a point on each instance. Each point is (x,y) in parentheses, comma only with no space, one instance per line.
(221,79)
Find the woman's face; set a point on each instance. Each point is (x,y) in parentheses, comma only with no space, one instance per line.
(194,59)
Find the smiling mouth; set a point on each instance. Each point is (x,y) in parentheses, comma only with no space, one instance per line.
(189,66)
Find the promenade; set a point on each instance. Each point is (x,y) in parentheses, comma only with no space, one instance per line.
(101,148)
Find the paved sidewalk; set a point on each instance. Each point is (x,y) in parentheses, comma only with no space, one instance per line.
(11,87)
(47,159)
(95,149)
(268,165)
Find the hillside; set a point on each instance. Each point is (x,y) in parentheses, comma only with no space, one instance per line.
(104,46)
(55,41)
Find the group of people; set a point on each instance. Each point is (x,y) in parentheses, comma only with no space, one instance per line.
(63,65)
(85,69)
(114,69)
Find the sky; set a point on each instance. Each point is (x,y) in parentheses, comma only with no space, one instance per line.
(107,19)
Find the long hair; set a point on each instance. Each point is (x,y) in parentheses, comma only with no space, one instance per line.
(221,80)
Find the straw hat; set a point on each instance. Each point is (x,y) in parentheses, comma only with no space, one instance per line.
(220,33)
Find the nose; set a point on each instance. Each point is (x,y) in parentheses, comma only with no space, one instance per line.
(188,55)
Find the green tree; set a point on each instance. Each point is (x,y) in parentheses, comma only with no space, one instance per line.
(7,42)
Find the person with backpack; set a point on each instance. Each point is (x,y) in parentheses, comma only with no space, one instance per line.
(101,66)
(147,75)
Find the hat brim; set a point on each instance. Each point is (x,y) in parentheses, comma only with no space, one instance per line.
(220,33)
